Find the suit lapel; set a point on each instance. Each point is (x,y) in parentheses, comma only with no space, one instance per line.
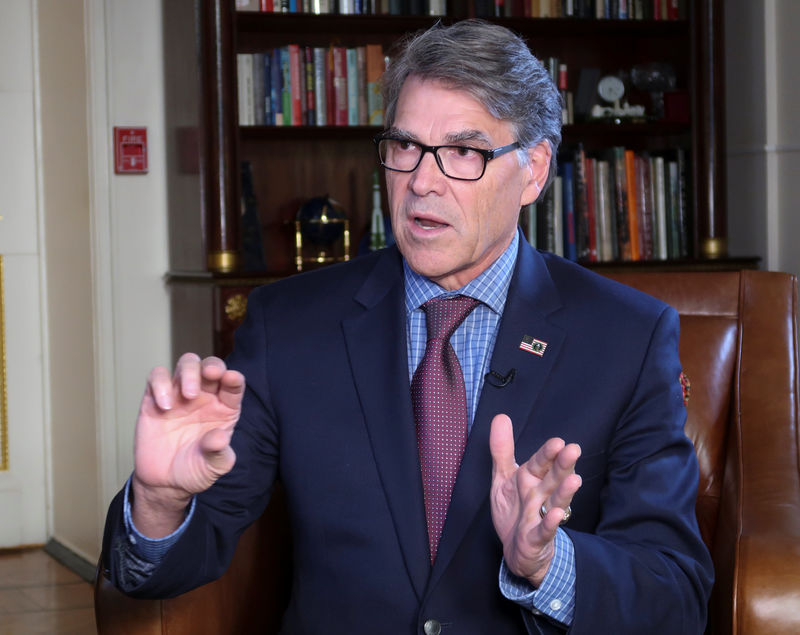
(531,298)
(376,345)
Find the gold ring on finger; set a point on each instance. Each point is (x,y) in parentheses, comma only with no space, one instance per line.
(567,513)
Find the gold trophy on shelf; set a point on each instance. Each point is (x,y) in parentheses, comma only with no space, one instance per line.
(322,233)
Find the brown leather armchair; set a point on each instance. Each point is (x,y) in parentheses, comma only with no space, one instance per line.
(739,350)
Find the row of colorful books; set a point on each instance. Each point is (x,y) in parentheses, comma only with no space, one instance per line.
(600,9)
(299,85)
(347,7)
(615,205)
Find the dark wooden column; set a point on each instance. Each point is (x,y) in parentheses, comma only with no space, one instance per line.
(708,122)
(219,134)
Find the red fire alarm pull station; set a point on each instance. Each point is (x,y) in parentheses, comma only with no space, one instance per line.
(130,150)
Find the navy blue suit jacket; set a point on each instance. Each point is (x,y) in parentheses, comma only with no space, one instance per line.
(328,411)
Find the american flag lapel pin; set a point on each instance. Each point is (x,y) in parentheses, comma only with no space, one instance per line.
(532,345)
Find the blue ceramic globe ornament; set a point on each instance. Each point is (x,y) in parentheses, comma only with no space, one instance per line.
(315,216)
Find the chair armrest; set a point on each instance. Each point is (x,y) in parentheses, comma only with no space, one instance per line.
(117,614)
(249,598)
(757,551)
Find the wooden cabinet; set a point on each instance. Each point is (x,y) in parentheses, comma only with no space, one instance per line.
(293,163)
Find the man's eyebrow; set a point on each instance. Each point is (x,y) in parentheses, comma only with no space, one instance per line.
(462,136)
(397,133)
(472,136)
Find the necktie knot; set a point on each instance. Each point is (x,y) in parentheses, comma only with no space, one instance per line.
(444,315)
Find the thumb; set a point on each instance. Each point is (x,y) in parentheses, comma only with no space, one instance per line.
(501,446)
(216,449)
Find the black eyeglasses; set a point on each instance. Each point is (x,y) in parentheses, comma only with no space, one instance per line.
(456,162)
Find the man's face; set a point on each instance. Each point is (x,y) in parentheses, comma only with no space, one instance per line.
(448,230)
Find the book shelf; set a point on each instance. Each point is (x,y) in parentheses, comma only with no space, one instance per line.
(291,164)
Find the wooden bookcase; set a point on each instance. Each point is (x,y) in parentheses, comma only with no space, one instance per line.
(293,163)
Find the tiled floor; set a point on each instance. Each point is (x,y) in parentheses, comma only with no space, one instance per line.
(38,595)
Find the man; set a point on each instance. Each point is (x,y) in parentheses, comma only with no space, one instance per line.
(392,394)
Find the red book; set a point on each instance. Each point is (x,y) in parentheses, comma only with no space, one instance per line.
(673,12)
(298,77)
(340,85)
(267,6)
(329,96)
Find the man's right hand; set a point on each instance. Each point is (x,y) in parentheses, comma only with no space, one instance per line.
(182,441)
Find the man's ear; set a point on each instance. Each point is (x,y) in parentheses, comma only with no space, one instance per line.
(538,167)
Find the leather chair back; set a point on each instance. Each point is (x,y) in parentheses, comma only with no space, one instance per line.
(738,349)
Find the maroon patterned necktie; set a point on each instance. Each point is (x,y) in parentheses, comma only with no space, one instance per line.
(440,409)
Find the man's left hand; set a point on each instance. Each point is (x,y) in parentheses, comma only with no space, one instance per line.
(518,493)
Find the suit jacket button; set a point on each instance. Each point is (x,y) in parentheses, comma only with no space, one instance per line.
(432,627)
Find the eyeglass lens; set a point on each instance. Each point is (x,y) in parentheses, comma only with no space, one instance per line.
(455,161)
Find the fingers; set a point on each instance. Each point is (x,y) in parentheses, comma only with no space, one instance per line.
(501,446)
(192,377)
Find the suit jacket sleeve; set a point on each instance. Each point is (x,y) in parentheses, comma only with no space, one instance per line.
(646,547)
(205,549)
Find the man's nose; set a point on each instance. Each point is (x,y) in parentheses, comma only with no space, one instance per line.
(428,175)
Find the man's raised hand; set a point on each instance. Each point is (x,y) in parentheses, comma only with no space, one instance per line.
(518,493)
(182,440)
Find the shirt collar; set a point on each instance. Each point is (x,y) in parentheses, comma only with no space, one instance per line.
(490,287)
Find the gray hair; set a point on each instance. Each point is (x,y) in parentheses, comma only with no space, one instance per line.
(490,63)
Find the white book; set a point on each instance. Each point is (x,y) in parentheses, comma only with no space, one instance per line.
(437,7)
(603,212)
(558,220)
(245,92)
(658,184)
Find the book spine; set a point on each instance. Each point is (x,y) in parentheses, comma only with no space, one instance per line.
(375,68)
(687,238)
(644,207)
(591,209)
(660,207)
(545,230)
(352,86)
(310,93)
(437,7)
(320,88)
(297,80)
(605,217)
(558,216)
(570,250)
(266,69)
(244,85)
(673,212)
(581,206)
(361,65)
(286,87)
(259,90)
(340,85)
(621,205)
(633,213)
(276,87)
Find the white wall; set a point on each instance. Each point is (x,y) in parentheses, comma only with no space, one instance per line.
(129,215)
(23,486)
(763,130)
(106,316)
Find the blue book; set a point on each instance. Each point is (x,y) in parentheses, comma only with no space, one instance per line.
(568,201)
(276,87)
